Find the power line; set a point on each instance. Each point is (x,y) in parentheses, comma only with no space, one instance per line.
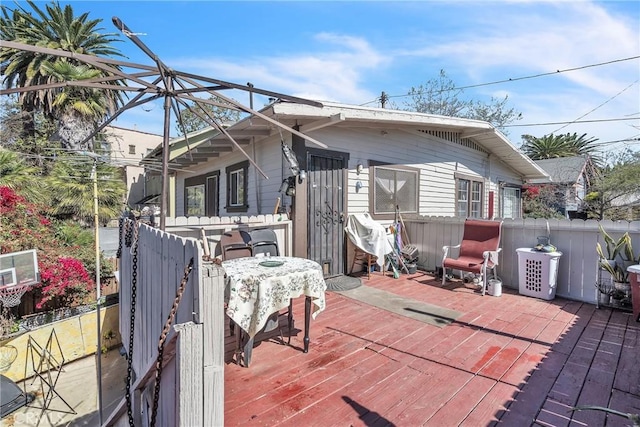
(575,121)
(594,109)
(513,79)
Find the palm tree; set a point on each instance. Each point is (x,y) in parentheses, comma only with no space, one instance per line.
(16,174)
(55,28)
(79,109)
(71,182)
(565,145)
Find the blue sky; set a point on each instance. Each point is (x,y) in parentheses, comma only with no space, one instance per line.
(352,51)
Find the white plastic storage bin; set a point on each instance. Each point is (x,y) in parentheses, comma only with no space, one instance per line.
(538,273)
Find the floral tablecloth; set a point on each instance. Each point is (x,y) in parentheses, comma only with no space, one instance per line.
(254,291)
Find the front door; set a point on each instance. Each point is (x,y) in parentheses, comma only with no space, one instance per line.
(326,209)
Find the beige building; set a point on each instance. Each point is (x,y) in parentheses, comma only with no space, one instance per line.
(128,147)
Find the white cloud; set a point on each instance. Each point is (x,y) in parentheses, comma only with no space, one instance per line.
(544,39)
(502,40)
(329,74)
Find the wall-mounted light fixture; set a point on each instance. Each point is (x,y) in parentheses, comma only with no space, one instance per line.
(359,168)
(358,186)
(291,186)
(302,176)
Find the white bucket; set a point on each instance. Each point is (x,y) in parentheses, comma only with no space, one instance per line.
(494,287)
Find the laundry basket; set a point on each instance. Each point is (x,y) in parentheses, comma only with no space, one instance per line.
(538,273)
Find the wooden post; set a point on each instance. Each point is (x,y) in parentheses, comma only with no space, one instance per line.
(189,359)
(212,317)
(275,209)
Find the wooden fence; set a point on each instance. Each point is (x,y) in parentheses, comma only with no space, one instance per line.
(193,362)
(576,239)
(193,371)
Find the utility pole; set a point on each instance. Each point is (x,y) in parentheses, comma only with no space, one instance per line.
(383,99)
(94,173)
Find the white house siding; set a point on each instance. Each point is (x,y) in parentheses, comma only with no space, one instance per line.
(439,160)
(268,156)
(501,173)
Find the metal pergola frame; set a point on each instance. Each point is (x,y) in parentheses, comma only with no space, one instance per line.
(175,87)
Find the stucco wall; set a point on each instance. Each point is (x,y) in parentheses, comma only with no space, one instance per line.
(76,337)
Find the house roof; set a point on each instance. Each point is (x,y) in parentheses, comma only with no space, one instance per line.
(564,170)
(211,143)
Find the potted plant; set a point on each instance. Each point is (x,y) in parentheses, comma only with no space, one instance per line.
(614,248)
(619,275)
(626,251)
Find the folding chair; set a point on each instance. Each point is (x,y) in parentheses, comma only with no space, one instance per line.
(478,250)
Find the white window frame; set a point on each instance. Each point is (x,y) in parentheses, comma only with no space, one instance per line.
(469,196)
(515,197)
(237,181)
(393,187)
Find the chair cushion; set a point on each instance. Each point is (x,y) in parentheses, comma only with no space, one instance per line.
(479,236)
(471,264)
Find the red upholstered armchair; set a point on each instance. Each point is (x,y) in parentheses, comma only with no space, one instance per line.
(478,250)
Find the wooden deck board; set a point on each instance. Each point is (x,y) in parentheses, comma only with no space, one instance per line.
(512,360)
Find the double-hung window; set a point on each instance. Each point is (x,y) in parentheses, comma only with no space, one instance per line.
(392,187)
(469,196)
(237,187)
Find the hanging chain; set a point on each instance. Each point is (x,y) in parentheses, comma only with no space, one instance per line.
(128,234)
(163,338)
(120,223)
(132,238)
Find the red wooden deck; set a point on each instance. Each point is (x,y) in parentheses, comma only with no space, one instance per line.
(510,360)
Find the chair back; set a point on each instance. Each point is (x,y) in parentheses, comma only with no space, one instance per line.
(264,241)
(235,244)
(479,236)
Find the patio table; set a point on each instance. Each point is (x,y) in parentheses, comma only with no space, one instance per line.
(258,287)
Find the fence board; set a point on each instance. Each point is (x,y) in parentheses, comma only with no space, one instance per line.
(576,239)
(162,259)
(189,402)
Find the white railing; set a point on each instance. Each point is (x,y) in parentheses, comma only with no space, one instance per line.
(576,239)
(214,227)
(193,357)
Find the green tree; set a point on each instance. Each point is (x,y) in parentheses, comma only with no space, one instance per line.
(541,202)
(73,197)
(54,28)
(192,122)
(615,192)
(19,176)
(441,96)
(36,150)
(65,266)
(565,145)
(79,109)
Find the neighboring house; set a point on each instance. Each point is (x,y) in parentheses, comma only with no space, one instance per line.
(375,160)
(571,178)
(127,148)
